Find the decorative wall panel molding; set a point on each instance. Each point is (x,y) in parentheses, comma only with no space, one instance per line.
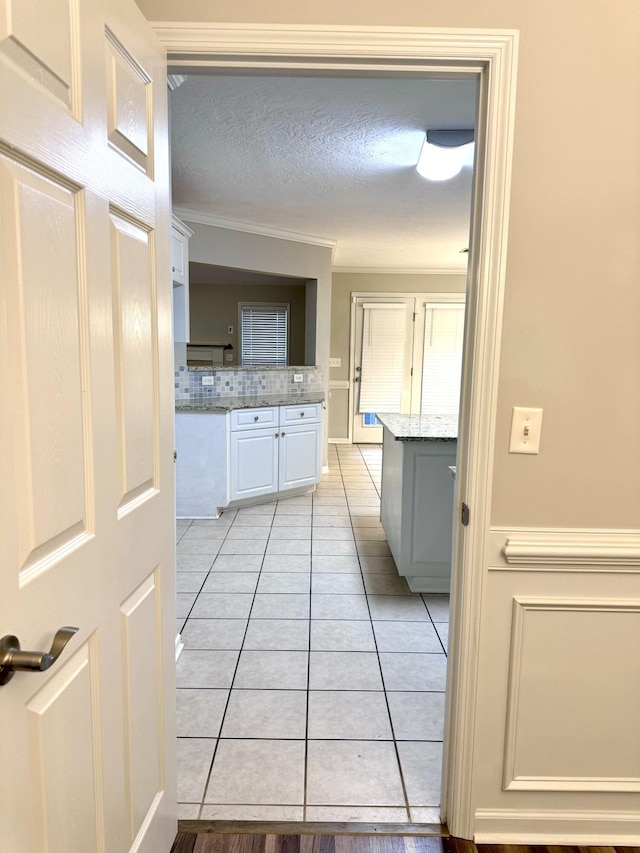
(552,742)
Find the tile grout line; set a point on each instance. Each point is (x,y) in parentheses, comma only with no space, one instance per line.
(405,793)
(235,670)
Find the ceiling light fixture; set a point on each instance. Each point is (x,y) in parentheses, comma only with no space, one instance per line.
(444,153)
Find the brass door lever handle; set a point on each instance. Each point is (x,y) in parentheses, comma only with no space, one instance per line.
(12,658)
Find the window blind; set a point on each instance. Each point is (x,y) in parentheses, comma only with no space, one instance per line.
(263,334)
(383,353)
(442,359)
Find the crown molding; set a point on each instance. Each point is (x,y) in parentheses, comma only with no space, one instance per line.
(251,228)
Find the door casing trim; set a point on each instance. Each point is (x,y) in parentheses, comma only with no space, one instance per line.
(492,55)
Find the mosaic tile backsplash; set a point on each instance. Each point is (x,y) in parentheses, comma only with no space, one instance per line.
(245,381)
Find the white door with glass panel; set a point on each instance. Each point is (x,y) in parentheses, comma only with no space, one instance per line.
(382,363)
(407,358)
(438,357)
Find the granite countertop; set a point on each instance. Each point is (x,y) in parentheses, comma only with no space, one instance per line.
(420,427)
(259,368)
(227,404)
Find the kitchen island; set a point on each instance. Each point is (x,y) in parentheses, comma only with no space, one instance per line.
(417,496)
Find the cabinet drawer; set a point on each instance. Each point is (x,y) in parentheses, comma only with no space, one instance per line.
(253,418)
(304,413)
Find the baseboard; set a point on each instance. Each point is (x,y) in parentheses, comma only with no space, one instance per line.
(339,441)
(582,828)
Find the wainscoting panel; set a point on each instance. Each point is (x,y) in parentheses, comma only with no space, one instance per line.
(558,741)
(572,745)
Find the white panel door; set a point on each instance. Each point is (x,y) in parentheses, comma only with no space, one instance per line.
(254,463)
(300,456)
(86,504)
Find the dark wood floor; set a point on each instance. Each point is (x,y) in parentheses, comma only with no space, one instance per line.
(227,842)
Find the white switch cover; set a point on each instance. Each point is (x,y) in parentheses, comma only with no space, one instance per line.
(526,426)
(207,380)
(298,377)
(335,362)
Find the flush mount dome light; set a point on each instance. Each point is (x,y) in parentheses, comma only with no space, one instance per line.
(444,153)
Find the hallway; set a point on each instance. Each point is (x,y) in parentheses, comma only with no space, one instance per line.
(311,686)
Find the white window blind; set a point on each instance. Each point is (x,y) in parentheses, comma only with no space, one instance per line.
(442,359)
(263,334)
(383,353)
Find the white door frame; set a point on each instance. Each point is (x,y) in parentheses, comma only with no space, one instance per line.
(492,54)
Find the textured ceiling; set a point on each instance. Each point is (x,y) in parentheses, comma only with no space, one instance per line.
(333,158)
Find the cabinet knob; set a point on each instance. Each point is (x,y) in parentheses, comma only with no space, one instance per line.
(283,434)
(173,269)
(276,435)
(301,414)
(256,418)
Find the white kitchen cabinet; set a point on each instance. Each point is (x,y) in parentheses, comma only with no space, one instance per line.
(245,455)
(299,454)
(254,463)
(180,235)
(286,455)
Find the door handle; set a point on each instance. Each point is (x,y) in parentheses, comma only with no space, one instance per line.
(13,658)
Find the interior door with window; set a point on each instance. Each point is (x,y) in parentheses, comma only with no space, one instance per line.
(86,505)
(438,349)
(383,337)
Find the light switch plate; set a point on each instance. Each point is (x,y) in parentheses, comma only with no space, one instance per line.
(526,426)
(335,362)
(207,380)
(298,377)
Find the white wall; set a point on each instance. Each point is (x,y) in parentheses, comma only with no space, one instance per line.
(556,633)
(571,342)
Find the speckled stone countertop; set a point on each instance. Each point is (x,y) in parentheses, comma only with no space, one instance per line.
(420,427)
(227,404)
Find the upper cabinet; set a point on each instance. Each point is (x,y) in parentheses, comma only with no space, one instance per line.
(180,235)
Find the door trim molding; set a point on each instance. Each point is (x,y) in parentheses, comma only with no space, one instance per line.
(492,54)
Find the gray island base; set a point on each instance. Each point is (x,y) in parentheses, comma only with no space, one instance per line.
(417,496)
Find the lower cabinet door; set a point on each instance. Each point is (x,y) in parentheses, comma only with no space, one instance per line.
(300,455)
(253,463)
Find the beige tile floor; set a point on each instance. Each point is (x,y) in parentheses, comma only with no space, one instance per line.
(311,686)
